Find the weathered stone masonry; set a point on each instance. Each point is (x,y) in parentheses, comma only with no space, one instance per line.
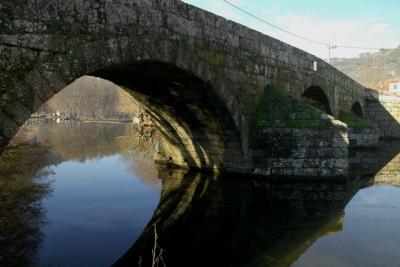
(363,137)
(45,45)
(312,152)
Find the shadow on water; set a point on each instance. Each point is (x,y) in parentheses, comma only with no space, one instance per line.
(229,221)
(203,220)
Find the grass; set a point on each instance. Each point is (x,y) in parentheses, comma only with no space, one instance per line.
(277,108)
(353,121)
(156,252)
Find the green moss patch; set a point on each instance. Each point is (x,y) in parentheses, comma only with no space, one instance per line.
(277,109)
(354,121)
(14,69)
(213,59)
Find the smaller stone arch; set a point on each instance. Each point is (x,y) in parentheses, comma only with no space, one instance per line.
(316,97)
(357,110)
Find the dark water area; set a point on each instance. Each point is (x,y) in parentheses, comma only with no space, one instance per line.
(89,194)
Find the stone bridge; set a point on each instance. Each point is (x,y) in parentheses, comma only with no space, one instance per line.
(203,79)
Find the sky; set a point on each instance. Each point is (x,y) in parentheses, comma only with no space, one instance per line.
(365,23)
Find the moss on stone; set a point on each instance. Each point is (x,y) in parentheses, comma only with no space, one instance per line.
(93,36)
(353,121)
(211,58)
(68,28)
(277,109)
(9,31)
(14,70)
(284,76)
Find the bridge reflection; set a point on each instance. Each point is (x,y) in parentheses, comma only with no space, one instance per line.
(382,165)
(228,221)
(202,219)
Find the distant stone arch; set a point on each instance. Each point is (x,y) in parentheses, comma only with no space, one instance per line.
(356,110)
(316,97)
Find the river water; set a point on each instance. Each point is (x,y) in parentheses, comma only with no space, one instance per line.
(89,194)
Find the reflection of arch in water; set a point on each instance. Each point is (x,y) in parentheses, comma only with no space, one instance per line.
(199,220)
(81,141)
(316,97)
(356,110)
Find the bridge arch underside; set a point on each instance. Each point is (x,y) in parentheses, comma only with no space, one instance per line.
(316,97)
(197,130)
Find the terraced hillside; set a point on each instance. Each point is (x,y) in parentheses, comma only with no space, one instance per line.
(374,70)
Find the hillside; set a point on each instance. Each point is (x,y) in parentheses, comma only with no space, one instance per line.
(374,70)
(90,97)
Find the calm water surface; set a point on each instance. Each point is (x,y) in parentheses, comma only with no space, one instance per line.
(98,207)
(369,236)
(97,202)
(80,194)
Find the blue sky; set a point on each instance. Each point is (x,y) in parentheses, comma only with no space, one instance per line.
(367,23)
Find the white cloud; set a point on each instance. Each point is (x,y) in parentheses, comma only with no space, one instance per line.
(273,10)
(378,29)
(225,11)
(354,32)
(365,32)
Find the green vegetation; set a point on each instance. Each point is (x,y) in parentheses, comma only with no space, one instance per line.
(354,121)
(9,31)
(372,69)
(63,26)
(93,36)
(277,109)
(14,69)
(284,76)
(212,59)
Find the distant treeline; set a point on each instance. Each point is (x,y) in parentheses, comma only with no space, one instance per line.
(92,98)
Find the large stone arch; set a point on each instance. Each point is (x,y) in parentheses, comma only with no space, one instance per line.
(77,46)
(45,45)
(191,113)
(46,63)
